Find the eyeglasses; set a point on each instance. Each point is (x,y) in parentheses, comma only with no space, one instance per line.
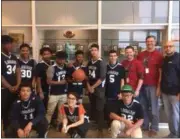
(128,96)
(169,46)
(70,98)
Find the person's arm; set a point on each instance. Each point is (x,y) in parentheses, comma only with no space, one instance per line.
(102,75)
(138,124)
(81,117)
(80,122)
(50,74)
(18,78)
(40,112)
(34,76)
(5,84)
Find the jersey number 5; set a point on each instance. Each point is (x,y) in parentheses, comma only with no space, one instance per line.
(11,69)
(111,78)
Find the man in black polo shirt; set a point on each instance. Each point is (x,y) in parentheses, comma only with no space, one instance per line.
(170,87)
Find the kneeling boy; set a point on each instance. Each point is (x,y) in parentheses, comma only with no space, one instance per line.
(127,115)
(27,113)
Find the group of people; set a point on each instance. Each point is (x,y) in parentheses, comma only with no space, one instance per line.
(123,94)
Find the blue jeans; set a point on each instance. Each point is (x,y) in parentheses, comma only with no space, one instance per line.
(171,106)
(149,102)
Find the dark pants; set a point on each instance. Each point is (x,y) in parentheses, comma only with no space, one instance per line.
(97,100)
(7,99)
(81,129)
(45,100)
(107,109)
(40,127)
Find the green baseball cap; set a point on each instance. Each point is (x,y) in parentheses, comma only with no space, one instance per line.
(127,88)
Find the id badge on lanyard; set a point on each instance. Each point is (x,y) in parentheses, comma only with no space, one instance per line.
(145,63)
(127,72)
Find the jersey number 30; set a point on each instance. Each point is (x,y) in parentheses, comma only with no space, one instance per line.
(26,73)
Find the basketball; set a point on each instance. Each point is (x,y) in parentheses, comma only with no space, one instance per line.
(79,75)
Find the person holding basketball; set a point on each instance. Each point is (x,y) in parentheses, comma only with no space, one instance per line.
(95,86)
(73,85)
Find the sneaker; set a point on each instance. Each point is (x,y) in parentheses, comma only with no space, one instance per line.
(170,136)
(152,133)
(75,135)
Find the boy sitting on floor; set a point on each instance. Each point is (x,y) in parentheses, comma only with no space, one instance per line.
(27,113)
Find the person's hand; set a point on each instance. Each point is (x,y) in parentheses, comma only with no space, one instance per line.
(91,89)
(67,128)
(27,129)
(41,95)
(63,130)
(136,94)
(128,132)
(20,133)
(158,92)
(11,89)
(129,123)
(15,88)
(178,96)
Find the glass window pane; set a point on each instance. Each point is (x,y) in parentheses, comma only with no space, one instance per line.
(139,35)
(142,11)
(66,12)
(175,17)
(161,12)
(175,34)
(16,12)
(124,36)
(153,33)
(114,12)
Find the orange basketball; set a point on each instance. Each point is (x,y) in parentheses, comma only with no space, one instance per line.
(79,75)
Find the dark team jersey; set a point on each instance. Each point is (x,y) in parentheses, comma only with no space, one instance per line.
(73,116)
(59,73)
(95,73)
(27,70)
(114,75)
(8,68)
(41,69)
(25,111)
(75,86)
(132,112)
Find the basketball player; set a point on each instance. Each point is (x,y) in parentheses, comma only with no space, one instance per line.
(114,80)
(41,68)
(56,78)
(27,66)
(74,120)
(10,76)
(114,76)
(95,86)
(74,86)
(27,113)
(127,115)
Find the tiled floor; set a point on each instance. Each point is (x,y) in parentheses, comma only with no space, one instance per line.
(93,134)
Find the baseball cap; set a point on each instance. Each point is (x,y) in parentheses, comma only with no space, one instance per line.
(127,88)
